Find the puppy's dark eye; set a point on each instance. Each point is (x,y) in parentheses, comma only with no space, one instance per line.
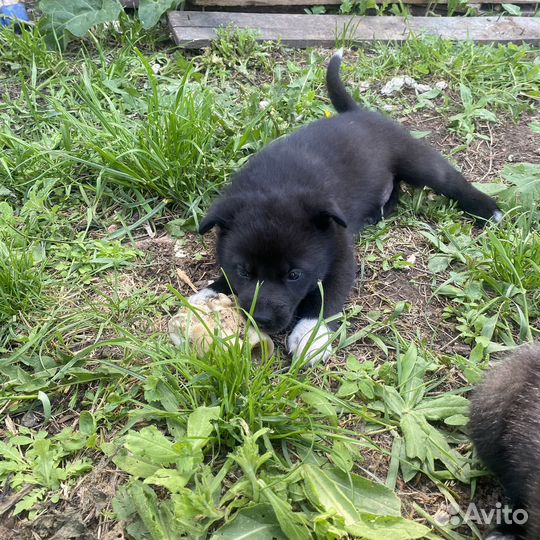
(294,275)
(243,272)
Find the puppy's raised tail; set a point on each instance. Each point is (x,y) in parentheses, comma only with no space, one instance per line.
(340,98)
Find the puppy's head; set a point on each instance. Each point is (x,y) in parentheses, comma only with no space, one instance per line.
(275,249)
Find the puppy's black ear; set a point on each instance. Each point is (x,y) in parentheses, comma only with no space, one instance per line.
(221,214)
(331,212)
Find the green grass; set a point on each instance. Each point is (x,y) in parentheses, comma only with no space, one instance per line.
(109,142)
(21,282)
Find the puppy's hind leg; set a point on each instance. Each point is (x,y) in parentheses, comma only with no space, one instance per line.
(420,165)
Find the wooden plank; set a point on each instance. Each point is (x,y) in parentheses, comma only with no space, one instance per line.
(196,29)
(270,3)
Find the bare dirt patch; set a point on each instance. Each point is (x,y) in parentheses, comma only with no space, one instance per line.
(484,159)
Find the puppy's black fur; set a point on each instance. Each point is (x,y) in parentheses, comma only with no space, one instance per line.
(290,215)
(505,428)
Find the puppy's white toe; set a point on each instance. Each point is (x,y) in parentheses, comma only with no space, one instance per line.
(497,216)
(311,342)
(498,535)
(202,296)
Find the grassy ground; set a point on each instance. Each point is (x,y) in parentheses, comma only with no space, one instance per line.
(110,152)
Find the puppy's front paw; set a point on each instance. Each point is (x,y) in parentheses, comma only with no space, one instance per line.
(500,535)
(202,296)
(313,343)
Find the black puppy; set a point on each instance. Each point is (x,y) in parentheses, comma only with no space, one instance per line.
(505,428)
(289,218)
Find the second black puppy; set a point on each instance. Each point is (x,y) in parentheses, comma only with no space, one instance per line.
(505,428)
(289,218)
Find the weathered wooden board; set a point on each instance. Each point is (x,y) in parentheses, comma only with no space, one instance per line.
(196,29)
(270,3)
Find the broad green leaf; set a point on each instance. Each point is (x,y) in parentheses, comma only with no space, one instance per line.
(189,516)
(490,188)
(393,469)
(291,523)
(348,388)
(150,445)
(199,425)
(526,177)
(353,364)
(342,456)
(44,465)
(8,452)
(393,401)
(411,369)
(456,420)
(388,528)
(485,114)
(6,212)
(477,353)
(420,134)
(321,403)
(78,16)
(9,466)
(70,440)
(324,493)
(77,467)
(155,389)
(87,423)
(136,467)
(439,263)
(406,365)
(409,466)
(150,11)
(414,391)
(367,496)
(19,440)
(328,526)
(444,406)
(425,442)
(466,96)
(171,479)
(42,396)
(367,387)
(447,249)
(29,501)
(414,435)
(249,458)
(252,523)
(430,94)
(482,340)
(488,328)
(122,504)
(512,9)
(146,504)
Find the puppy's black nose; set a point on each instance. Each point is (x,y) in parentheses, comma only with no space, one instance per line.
(264,322)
